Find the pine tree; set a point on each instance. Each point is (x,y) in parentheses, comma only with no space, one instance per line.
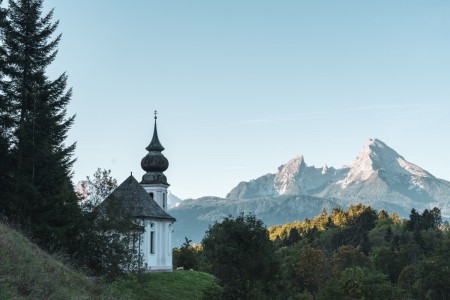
(45,201)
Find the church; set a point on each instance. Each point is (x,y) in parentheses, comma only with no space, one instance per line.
(147,203)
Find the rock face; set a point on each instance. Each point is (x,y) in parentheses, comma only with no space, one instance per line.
(378,177)
(261,187)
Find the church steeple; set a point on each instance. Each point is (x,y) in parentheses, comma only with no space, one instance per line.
(154,163)
(155,144)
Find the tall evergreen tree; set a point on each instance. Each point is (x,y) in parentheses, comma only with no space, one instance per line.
(44,201)
(5,127)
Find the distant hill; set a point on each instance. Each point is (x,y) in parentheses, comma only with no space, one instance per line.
(379,177)
(195,215)
(172,200)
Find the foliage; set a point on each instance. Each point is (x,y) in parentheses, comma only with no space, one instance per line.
(109,228)
(37,168)
(429,219)
(36,191)
(94,190)
(363,283)
(311,269)
(188,256)
(366,254)
(389,261)
(241,256)
(6,122)
(118,237)
(433,273)
(346,257)
(359,218)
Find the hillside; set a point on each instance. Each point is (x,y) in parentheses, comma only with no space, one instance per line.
(27,272)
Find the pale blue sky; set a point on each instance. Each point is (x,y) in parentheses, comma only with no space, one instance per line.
(243,86)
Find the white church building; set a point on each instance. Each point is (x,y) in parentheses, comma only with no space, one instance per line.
(147,202)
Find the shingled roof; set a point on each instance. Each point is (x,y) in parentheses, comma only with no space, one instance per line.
(136,201)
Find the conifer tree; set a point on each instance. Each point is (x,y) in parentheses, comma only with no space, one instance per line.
(44,201)
(5,128)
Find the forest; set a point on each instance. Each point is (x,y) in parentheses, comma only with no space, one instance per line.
(357,253)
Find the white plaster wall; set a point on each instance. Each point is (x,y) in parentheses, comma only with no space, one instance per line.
(159,193)
(161,260)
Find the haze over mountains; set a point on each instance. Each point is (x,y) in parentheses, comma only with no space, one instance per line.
(379,177)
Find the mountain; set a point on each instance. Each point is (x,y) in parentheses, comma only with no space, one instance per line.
(292,178)
(379,177)
(172,200)
(195,215)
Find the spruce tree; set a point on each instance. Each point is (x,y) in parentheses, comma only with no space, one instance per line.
(44,199)
(5,129)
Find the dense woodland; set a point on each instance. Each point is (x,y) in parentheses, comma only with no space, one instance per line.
(348,254)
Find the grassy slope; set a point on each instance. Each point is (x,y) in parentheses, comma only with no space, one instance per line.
(184,285)
(27,272)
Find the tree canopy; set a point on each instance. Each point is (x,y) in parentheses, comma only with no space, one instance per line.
(241,255)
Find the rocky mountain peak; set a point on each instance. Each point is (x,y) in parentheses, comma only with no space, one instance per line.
(378,175)
(286,177)
(379,153)
(293,165)
(376,156)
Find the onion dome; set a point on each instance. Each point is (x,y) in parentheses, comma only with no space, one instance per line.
(154,163)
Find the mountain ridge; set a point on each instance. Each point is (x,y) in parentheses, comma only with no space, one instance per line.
(377,173)
(378,176)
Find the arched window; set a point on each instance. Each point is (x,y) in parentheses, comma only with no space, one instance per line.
(164,201)
(151,195)
(152,238)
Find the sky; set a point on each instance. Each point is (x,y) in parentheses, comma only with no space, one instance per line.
(241,87)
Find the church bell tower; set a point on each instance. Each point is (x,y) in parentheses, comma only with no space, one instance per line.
(155,163)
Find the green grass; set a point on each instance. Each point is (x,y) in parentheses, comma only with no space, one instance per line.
(27,272)
(184,285)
